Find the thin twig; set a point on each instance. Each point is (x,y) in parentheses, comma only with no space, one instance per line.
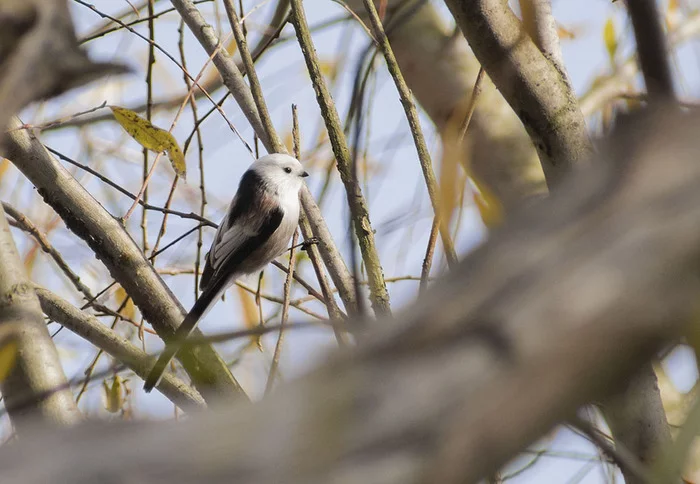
(283,318)
(191,215)
(619,454)
(358,206)
(255,88)
(429,252)
(414,123)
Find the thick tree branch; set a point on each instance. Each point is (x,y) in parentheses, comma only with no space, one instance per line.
(508,345)
(37,371)
(652,49)
(532,85)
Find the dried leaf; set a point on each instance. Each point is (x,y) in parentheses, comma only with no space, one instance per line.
(150,137)
(114,396)
(4,165)
(129,310)
(177,160)
(8,356)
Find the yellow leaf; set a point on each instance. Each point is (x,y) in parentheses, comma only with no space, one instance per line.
(177,160)
(8,356)
(610,39)
(251,318)
(232,46)
(129,310)
(150,137)
(114,396)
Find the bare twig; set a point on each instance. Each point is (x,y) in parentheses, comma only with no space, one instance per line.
(283,318)
(414,123)
(358,206)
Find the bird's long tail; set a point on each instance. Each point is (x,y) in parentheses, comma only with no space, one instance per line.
(172,347)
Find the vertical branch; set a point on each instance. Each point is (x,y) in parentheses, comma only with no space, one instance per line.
(334,312)
(358,206)
(283,318)
(149,114)
(255,88)
(414,123)
(36,388)
(200,152)
(651,49)
(429,253)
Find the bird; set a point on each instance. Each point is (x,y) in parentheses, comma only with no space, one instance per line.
(257,227)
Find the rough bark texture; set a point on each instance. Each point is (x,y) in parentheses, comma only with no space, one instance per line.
(637,420)
(533,86)
(36,388)
(525,331)
(116,249)
(112,343)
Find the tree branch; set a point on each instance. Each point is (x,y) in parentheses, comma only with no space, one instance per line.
(37,368)
(531,84)
(356,201)
(90,328)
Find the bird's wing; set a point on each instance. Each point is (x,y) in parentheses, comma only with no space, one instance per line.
(252,218)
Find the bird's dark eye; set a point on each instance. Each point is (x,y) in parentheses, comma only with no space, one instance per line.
(288,170)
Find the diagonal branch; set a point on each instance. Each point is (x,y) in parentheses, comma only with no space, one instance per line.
(116,249)
(37,370)
(532,85)
(356,201)
(90,328)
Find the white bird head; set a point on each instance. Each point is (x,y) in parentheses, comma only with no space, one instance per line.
(282,171)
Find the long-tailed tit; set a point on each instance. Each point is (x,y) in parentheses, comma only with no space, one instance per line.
(260,221)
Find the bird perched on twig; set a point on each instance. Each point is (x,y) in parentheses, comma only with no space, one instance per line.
(259,223)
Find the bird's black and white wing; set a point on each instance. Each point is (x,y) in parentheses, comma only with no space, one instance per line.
(253,217)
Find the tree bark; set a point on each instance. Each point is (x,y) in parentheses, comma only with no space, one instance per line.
(36,387)
(526,330)
(533,86)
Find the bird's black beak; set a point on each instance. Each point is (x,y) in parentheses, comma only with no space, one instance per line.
(304,175)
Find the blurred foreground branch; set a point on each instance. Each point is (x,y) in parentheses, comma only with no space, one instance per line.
(526,330)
